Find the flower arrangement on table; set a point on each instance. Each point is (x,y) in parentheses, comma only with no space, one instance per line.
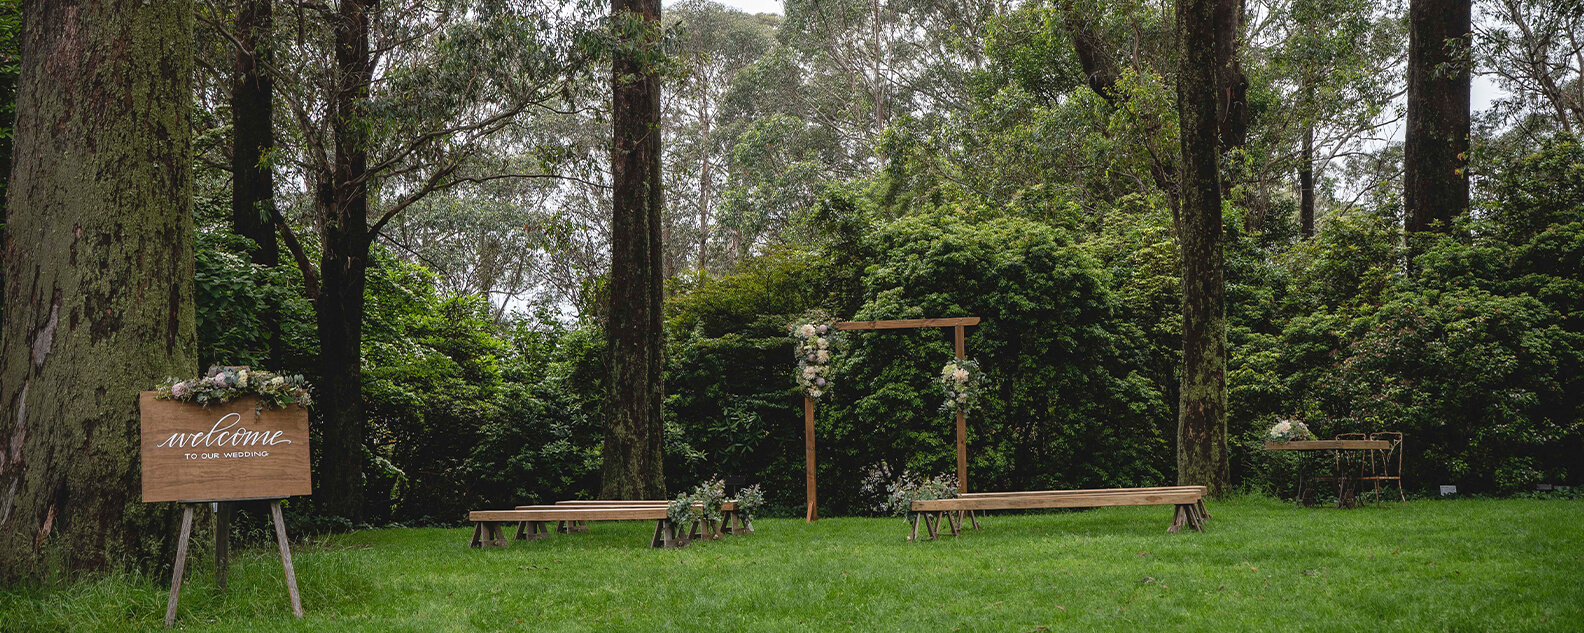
(224,384)
(962,382)
(1289,431)
(816,339)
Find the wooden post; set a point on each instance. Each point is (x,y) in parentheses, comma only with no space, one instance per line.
(285,552)
(181,564)
(962,427)
(808,454)
(222,542)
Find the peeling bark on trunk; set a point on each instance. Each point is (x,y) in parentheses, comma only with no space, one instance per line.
(1435,143)
(343,268)
(253,139)
(99,280)
(1201,414)
(1306,185)
(1231,84)
(633,458)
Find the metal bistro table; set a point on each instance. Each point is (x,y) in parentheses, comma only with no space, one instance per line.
(1350,459)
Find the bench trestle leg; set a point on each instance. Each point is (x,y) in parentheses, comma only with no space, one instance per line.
(488,534)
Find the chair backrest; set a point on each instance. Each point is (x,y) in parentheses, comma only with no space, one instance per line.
(1350,436)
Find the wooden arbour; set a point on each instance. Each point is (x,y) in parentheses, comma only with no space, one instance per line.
(957,324)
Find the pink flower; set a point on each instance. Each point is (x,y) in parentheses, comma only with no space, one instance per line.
(180,390)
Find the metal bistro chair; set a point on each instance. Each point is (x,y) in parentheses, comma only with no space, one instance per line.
(1386,465)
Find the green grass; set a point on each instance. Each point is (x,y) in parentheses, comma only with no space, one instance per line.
(1466,565)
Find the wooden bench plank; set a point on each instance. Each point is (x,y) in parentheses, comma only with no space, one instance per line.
(1057,501)
(1201,490)
(551,513)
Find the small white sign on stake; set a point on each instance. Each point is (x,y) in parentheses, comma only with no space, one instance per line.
(1448,490)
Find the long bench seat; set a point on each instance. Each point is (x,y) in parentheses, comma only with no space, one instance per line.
(533,522)
(1188,499)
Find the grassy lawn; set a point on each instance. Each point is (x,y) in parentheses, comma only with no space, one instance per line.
(1466,565)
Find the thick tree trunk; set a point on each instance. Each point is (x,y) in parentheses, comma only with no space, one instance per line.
(1231,84)
(1306,184)
(253,139)
(1435,144)
(99,280)
(633,457)
(1201,414)
(343,267)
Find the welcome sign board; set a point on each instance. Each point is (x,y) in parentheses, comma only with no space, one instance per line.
(223,452)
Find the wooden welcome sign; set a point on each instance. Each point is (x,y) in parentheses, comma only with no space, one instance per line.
(232,451)
(226,452)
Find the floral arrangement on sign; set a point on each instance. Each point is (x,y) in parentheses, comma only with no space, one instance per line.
(816,344)
(910,487)
(749,500)
(702,504)
(962,383)
(224,384)
(1289,431)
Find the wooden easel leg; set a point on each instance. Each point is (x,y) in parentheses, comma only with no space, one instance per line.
(285,551)
(181,564)
(222,543)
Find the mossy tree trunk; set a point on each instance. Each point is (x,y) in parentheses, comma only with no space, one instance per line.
(343,269)
(1201,413)
(633,457)
(1436,140)
(253,140)
(99,279)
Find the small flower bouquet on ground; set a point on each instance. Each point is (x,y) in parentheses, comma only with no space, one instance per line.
(224,384)
(912,487)
(1289,431)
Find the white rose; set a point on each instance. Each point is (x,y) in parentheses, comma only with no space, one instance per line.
(242,378)
(823,356)
(807,330)
(962,397)
(277,381)
(822,343)
(960,375)
(809,372)
(814,393)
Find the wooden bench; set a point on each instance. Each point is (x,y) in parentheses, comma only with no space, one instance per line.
(732,521)
(1188,499)
(533,522)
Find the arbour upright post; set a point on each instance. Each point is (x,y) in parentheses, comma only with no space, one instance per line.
(957,324)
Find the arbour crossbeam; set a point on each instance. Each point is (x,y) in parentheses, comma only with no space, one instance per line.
(957,324)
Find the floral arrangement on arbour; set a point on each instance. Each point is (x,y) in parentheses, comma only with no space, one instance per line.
(817,338)
(1289,431)
(224,384)
(962,382)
